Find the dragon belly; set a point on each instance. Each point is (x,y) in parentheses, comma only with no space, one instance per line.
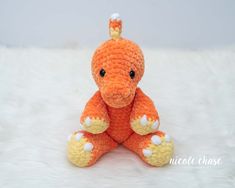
(119,128)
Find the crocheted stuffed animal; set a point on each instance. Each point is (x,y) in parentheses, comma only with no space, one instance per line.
(119,112)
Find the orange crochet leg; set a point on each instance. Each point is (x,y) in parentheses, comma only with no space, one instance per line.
(84,148)
(155,149)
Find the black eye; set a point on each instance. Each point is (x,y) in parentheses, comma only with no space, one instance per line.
(102,72)
(132,74)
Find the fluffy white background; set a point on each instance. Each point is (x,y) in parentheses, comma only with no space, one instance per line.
(42,94)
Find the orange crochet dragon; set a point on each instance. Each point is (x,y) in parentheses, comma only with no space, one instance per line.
(119,112)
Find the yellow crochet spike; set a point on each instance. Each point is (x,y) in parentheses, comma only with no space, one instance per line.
(115,26)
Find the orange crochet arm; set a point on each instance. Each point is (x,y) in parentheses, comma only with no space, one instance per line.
(95,117)
(144,117)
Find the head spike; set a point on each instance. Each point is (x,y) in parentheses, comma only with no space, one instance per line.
(115,26)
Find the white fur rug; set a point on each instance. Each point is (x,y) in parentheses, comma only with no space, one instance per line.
(43,92)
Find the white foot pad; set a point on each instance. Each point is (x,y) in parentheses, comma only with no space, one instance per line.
(156,140)
(147,152)
(88,121)
(88,146)
(143,120)
(155,125)
(78,136)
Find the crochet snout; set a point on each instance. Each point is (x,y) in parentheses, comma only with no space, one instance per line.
(117,96)
(116,92)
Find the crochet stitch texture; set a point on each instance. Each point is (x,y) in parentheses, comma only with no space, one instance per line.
(119,112)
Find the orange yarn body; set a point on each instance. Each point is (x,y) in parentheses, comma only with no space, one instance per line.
(119,128)
(119,113)
(118,101)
